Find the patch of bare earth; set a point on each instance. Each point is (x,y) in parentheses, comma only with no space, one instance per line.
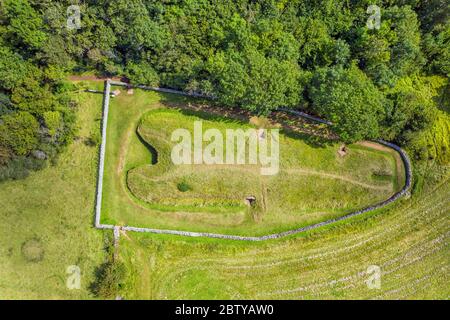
(93,78)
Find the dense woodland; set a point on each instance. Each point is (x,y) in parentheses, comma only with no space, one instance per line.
(389,82)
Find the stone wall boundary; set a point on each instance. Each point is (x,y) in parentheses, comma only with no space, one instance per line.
(98,205)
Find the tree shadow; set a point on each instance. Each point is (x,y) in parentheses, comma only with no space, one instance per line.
(314,141)
(209,110)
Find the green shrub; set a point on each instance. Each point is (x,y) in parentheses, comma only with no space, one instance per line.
(432,143)
(52,121)
(94,138)
(110,276)
(142,73)
(18,131)
(184,186)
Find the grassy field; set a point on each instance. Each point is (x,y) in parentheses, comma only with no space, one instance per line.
(315,183)
(46,225)
(408,241)
(46,221)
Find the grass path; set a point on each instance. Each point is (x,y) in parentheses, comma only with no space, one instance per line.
(304,171)
(388,187)
(409,243)
(398,160)
(141,212)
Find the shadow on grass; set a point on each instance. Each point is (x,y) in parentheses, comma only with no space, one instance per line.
(311,140)
(235,116)
(148,146)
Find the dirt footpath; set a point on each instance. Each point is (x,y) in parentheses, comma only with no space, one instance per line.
(94,78)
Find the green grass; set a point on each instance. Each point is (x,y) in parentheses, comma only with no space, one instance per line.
(46,221)
(408,240)
(314,182)
(53,210)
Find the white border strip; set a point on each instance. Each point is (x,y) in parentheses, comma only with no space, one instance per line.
(101,165)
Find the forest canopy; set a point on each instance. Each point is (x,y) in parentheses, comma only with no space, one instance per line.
(388,81)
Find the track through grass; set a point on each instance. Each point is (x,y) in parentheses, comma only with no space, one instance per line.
(314,184)
(409,242)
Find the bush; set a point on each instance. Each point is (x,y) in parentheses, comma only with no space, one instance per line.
(52,121)
(184,186)
(20,167)
(18,131)
(142,73)
(94,139)
(433,142)
(110,276)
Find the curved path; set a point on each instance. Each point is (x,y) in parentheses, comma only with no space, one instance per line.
(338,177)
(106,97)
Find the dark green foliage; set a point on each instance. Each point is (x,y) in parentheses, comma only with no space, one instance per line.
(349,100)
(36,120)
(254,82)
(393,51)
(110,276)
(25,25)
(414,107)
(12,68)
(31,96)
(142,73)
(183,186)
(436,46)
(431,143)
(257,55)
(18,131)
(5,104)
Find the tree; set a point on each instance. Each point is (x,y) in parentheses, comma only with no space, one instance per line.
(25,24)
(349,100)
(315,42)
(254,82)
(12,68)
(250,54)
(436,46)
(393,51)
(110,277)
(5,104)
(414,106)
(142,73)
(18,131)
(133,25)
(33,97)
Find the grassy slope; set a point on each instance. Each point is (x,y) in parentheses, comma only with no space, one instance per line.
(55,206)
(409,242)
(307,198)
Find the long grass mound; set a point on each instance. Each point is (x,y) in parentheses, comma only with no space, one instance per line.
(315,182)
(408,242)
